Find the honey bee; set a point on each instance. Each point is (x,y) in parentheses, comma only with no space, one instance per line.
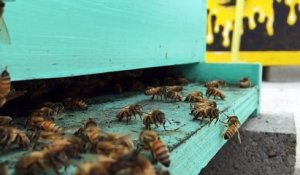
(182,81)
(146,137)
(36,118)
(75,104)
(155,117)
(90,133)
(173,95)
(195,96)
(204,103)
(37,162)
(51,126)
(233,125)
(155,91)
(245,83)
(173,88)
(207,112)
(114,146)
(12,136)
(132,164)
(3,168)
(129,111)
(6,121)
(150,140)
(72,145)
(110,149)
(215,83)
(99,166)
(211,91)
(4,35)
(5,83)
(56,107)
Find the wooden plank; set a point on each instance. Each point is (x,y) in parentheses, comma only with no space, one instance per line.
(196,152)
(67,38)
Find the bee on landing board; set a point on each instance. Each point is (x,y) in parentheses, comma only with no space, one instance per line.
(155,117)
(75,104)
(10,136)
(132,164)
(195,96)
(233,125)
(4,34)
(150,140)
(38,162)
(5,86)
(155,91)
(245,83)
(56,107)
(100,166)
(206,112)
(211,91)
(215,84)
(51,126)
(173,95)
(130,111)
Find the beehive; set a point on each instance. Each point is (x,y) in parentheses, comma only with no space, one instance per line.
(61,39)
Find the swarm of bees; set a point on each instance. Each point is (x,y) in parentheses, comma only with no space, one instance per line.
(54,147)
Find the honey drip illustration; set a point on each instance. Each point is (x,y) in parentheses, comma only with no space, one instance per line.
(224,17)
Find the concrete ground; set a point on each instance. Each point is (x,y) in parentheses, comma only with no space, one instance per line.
(279,98)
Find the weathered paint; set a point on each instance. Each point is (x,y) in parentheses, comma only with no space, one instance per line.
(67,38)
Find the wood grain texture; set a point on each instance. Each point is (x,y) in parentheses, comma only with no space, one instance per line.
(67,38)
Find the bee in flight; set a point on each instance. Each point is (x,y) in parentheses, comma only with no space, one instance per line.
(4,35)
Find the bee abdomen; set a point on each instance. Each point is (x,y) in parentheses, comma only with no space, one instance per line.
(161,152)
(51,126)
(5,83)
(229,133)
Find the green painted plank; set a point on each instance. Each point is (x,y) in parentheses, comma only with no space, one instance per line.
(67,38)
(188,155)
(232,73)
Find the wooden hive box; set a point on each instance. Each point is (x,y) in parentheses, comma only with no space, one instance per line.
(52,39)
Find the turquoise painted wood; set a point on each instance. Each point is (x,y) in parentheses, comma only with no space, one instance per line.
(67,38)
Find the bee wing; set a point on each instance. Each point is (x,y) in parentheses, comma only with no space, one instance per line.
(239,137)
(4,35)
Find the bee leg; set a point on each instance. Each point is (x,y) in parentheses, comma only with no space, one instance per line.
(164,127)
(152,97)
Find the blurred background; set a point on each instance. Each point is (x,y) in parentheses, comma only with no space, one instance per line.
(267,32)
